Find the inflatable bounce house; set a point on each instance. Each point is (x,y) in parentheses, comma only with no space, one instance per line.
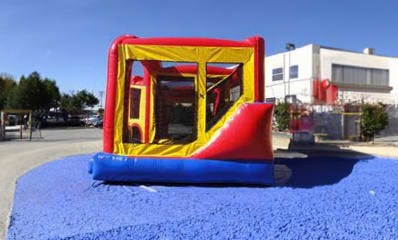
(186,110)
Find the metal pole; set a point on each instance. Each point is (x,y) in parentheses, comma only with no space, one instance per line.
(2,126)
(284,77)
(101,94)
(289,47)
(288,76)
(30,125)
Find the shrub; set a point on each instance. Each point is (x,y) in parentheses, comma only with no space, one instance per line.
(374,119)
(282,116)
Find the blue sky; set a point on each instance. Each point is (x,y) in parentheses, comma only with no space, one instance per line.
(68,40)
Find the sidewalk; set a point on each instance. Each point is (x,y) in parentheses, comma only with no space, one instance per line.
(382,146)
(20,156)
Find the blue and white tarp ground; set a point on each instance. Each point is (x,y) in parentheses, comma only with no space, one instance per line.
(325,198)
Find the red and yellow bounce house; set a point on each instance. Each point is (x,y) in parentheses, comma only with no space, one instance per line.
(186,110)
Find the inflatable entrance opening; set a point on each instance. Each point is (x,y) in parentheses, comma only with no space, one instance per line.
(186,110)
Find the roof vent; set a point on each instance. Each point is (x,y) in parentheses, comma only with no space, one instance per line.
(369,51)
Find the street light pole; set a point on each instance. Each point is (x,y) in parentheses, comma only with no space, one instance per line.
(289,47)
(101,94)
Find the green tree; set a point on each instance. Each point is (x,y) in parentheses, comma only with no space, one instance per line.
(52,93)
(65,103)
(7,84)
(34,92)
(101,112)
(282,115)
(78,101)
(86,99)
(374,119)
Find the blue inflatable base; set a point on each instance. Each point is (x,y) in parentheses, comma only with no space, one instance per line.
(111,167)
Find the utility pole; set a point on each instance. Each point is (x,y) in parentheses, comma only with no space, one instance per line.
(289,47)
(101,94)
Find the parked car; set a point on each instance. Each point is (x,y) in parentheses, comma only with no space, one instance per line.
(97,123)
(93,121)
(75,121)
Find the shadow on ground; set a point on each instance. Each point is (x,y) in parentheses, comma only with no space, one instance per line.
(308,166)
(304,166)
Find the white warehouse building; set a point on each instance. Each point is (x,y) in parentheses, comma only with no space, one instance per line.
(345,76)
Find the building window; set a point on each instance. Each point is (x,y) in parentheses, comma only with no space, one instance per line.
(360,75)
(277,74)
(293,71)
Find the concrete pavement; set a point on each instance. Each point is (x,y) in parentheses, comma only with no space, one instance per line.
(19,156)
